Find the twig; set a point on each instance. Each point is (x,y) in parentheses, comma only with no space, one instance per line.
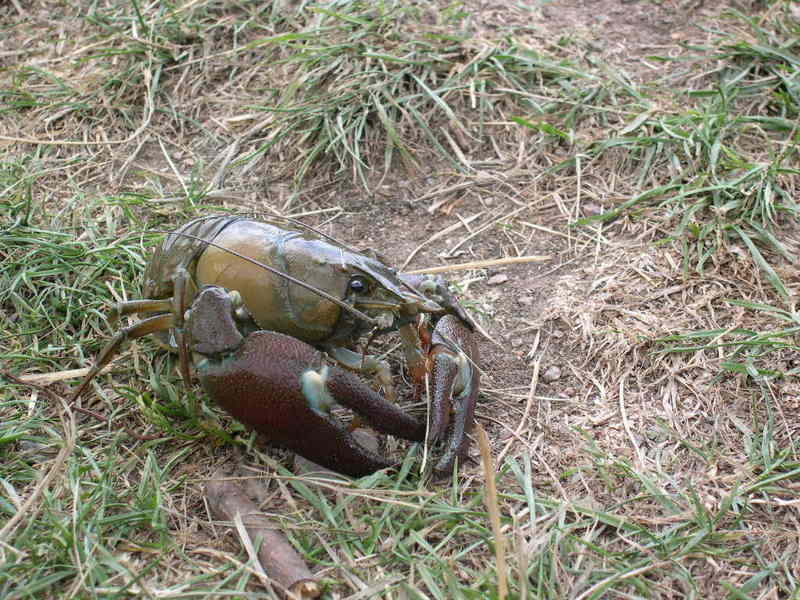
(436,236)
(494,513)
(489,225)
(481,264)
(285,569)
(55,376)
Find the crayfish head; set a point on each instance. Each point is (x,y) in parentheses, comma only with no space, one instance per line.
(380,292)
(392,308)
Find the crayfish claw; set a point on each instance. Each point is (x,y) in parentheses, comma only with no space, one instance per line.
(315,391)
(454,390)
(368,366)
(434,287)
(270,383)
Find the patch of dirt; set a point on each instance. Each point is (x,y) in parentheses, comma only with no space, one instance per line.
(622,33)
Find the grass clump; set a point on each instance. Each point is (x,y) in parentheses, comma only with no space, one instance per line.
(758,354)
(764,61)
(380,81)
(53,283)
(730,160)
(76,536)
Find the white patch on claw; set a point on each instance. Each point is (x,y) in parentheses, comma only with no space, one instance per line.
(464,373)
(316,392)
(384,320)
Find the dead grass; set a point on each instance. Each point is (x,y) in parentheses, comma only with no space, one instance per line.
(642,406)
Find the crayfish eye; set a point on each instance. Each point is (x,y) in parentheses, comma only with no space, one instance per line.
(358,284)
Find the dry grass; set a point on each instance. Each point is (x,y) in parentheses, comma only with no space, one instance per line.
(642,406)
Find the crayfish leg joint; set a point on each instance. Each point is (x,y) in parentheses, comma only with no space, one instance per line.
(210,323)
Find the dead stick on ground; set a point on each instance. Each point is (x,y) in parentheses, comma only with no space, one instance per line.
(480,264)
(492,506)
(56,376)
(283,565)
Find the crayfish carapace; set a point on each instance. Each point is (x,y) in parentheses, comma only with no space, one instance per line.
(266,312)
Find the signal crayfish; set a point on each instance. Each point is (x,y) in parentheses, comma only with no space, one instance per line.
(266,312)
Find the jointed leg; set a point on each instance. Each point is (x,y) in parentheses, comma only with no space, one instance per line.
(140,329)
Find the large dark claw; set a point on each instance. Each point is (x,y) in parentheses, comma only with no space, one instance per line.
(269,384)
(281,387)
(454,381)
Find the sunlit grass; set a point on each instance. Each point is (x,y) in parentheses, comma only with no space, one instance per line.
(378,80)
(757,354)
(730,160)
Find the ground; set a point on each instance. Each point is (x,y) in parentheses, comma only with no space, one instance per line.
(639,372)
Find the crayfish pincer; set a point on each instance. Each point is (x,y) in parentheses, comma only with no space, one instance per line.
(267,312)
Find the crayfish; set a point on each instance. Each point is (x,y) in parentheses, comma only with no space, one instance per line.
(266,313)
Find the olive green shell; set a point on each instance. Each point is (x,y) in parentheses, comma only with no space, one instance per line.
(274,302)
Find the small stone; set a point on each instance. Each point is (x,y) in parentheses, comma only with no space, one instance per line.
(498,279)
(525,300)
(517,342)
(552,373)
(557,333)
(591,210)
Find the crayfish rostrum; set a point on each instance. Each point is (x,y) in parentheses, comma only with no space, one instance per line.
(265,311)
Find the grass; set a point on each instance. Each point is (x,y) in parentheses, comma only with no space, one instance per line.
(660,463)
(755,353)
(731,159)
(387,81)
